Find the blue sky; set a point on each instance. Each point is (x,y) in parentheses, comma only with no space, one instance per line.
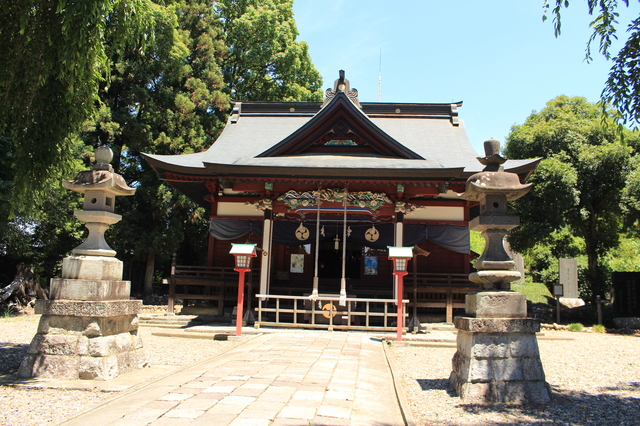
(497,56)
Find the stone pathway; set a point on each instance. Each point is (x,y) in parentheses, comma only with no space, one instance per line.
(289,378)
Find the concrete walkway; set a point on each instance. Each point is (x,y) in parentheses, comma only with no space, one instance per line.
(288,378)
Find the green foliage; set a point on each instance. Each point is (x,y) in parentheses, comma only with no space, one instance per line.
(139,76)
(578,187)
(623,84)
(536,293)
(576,327)
(265,62)
(172,98)
(42,238)
(7,311)
(599,328)
(588,314)
(625,257)
(54,53)
(477,242)
(631,198)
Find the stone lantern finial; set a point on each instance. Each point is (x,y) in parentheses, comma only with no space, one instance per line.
(104,156)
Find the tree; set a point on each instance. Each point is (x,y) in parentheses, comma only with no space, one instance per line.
(265,62)
(40,240)
(166,99)
(172,98)
(623,84)
(54,54)
(579,184)
(81,67)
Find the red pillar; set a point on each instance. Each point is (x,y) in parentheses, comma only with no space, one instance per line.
(240,301)
(400,320)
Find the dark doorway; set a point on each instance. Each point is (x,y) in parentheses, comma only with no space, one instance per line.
(330,260)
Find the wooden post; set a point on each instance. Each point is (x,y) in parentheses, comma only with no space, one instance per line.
(240,301)
(449,308)
(172,296)
(265,259)
(400,320)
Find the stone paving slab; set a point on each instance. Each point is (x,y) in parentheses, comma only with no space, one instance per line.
(292,378)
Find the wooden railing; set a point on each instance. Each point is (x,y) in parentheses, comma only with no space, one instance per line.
(326,312)
(446,291)
(220,284)
(191,283)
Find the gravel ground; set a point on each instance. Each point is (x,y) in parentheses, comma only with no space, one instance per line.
(50,406)
(594,378)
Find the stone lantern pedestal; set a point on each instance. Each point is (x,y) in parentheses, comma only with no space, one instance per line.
(89,327)
(497,359)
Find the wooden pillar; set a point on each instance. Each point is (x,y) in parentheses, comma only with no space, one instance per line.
(211,240)
(449,316)
(265,259)
(399,234)
(398,280)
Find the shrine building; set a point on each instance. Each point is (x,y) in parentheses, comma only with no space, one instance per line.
(323,189)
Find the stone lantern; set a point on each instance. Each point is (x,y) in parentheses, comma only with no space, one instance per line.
(497,360)
(89,327)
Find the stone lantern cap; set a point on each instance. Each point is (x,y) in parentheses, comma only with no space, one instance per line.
(100,185)
(494,180)
(484,183)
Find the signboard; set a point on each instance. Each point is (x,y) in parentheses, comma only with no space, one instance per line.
(569,277)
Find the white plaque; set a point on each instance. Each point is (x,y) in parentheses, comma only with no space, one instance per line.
(569,277)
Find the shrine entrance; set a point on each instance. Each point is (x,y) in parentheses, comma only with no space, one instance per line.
(330,261)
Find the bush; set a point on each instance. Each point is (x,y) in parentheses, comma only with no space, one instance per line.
(599,328)
(575,327)
(588,314)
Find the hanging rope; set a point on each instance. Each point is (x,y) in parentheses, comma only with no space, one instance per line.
(314,293)
(343,281)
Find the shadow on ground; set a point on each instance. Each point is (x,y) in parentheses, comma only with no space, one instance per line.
(11,355)
(573,408)
(437,384)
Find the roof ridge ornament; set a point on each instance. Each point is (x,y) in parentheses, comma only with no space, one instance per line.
(341,85)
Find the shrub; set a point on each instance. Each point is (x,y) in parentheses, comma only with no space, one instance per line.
(599,328)
(575,327)
(7,311)
(588,314)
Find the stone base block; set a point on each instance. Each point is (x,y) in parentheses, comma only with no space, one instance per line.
(496,304)
(83,308)
(505,392)
(92,268)
(85,340)
(498,362)
(84,289)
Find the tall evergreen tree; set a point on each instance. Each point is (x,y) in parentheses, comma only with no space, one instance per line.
(265,61)
(165,99)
